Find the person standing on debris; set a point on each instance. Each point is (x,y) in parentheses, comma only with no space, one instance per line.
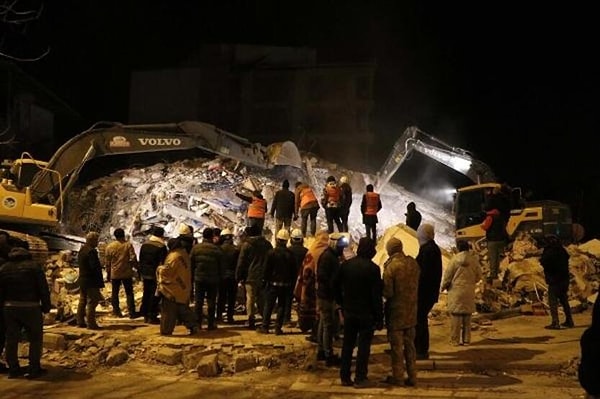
(299,251)
(282,207)
(413,217)
(186,235)
(207,268)
(280,275)
(345,202)
(257,209)
(494,225)
(357,287)
(174,287)
(90,282)
(120,262)
(228,287)
(331,200)
(400,286)
(25,296)
(327,267)
(369,207)
(250,271)
(307,207)
(555,261)
(461,276)
(153,253)
(589,364)
(429,259)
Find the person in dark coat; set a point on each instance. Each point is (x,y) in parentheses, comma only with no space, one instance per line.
(413,217)
(555,261)
(228,287)
(279,277)
(282,208)
(207,268)
(4,250)
(357,288)
(153,253)
(90,282)
(429,259)
(299,251)
(25,296)
(346,202)
(250,271)
(494,225)
(589,364)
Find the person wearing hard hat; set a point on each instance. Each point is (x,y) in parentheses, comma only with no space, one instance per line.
(307,206)
(345,202)
(369,207)
(299,251)
(279,277)
(228,287)
(257,208)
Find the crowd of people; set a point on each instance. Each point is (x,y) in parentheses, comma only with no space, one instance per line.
(196,283)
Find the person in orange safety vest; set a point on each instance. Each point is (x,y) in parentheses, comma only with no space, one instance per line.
(307,206)
(370,205)
(331,201)
(257,209)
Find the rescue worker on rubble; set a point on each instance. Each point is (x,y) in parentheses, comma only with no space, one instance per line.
(90,282)
(282,207)
(555,261)
(228,287)
(494,225)
(413,217)
(345,202)
(25,296)
(257,209)
(120,262)
(307,207)
(250,271)
(279,277)
(153,253)
(299,251)
(174,280)
(207,267)
(369,207)
(331,200)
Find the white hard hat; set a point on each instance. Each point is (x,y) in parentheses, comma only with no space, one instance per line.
(283,235)
(297,235)
(344,179)
(226,232)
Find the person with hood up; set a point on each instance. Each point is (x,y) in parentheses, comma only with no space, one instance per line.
(306,206)
(369,207)
(589,364)
(90,282)
(280,275)
(257,209)
(250,271)
(400,285)
(429,259)
(346,202)
(413,217)
(327,267)
(331,201)
(494,225)
(153,253)
(461,276)
(357,288)
(555,261)
(174,280)
(25,296)
(282,208)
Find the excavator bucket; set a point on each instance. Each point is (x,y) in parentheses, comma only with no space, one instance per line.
(285,153)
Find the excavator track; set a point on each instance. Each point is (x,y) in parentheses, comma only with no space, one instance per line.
(37,246)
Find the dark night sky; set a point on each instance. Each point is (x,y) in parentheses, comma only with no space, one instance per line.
(515,84)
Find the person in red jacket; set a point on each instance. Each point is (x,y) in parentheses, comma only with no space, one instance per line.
(369,207)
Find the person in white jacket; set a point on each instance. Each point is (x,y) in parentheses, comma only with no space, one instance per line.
(461,276)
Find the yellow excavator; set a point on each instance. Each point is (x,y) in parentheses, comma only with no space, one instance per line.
(536,218)
(32,192)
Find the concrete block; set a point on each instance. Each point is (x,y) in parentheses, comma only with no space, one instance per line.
(191,359)
(576,306)
(244,362)
(168,356)
(116,357)
(55,342)
(208,366)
